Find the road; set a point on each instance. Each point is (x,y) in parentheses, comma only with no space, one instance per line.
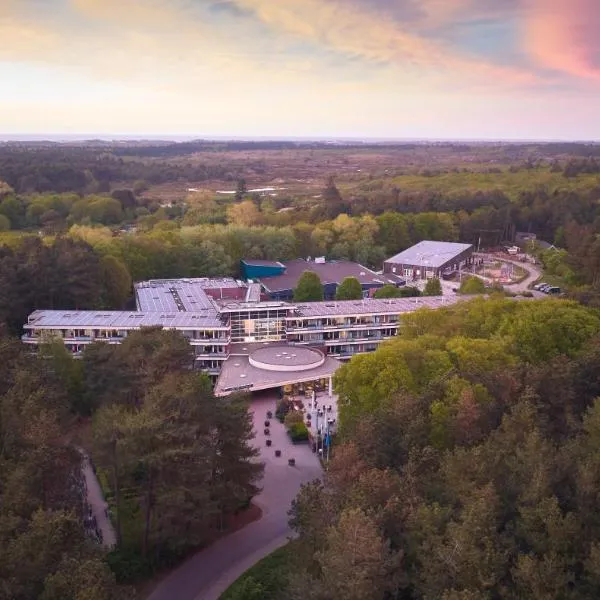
(534,275)
(207,574)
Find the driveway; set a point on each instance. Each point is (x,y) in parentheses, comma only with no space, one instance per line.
(534,274)
(207,574)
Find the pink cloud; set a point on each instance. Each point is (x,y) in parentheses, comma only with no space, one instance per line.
(565,35)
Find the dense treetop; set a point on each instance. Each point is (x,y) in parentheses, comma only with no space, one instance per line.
(468,466)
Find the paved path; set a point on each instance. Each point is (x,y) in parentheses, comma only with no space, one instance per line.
(95,499)
(534,275)
(206,575)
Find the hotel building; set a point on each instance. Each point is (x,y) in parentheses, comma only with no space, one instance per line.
(241,341)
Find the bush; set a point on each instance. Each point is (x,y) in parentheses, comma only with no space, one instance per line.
(409,292)
(387,291)
(298,432)
(472,285)
(433,287)
(293,417)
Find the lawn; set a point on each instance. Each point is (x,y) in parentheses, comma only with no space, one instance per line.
(265,580)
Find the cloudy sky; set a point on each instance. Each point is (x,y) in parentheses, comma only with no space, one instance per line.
(517,69)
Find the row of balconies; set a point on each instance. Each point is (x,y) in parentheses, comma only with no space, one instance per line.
(311,339)
(36,336)
(293,327)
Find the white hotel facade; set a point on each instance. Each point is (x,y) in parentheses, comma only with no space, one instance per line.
(225,322)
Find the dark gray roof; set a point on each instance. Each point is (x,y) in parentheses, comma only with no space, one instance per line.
(328,272)
(429,254)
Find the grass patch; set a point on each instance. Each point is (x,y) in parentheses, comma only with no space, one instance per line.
(265,580)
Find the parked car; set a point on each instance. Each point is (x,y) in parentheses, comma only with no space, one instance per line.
(539,286)
(545,287)
(554,290)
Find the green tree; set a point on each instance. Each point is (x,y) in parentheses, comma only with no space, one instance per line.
(116,282)
(309,288)
(433,287)
(245,213)
(387,291)
(472,285)
(349,289)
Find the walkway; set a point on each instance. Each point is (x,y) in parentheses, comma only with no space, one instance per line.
(532,277)
(98,506)
(206,575)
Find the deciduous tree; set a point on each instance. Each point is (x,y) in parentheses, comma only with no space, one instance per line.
(309,288)
(349,289)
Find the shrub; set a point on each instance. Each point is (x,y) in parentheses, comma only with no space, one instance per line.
(293,417)
(387,291)
(409,292)
(433,287)
(298,432)
(472,285)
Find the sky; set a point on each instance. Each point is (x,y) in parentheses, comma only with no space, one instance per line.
(426,69)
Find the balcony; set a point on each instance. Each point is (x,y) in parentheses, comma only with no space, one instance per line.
(351,341)
(208,341)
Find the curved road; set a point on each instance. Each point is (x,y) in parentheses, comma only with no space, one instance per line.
(534,275)
(207,574)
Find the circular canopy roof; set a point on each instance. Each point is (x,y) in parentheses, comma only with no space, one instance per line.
(286,358)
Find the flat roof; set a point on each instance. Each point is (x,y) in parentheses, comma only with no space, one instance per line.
(429,254)
(105,319)
(328,272)
(373,306)
(228,306)
(180,295)
(262,263)
(238,374)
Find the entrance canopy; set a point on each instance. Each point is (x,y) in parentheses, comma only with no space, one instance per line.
(272,366)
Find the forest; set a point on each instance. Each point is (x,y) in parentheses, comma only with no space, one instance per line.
(175,463)
(468,466)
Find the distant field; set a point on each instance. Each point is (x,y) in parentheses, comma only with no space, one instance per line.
(304,171)
(508,182)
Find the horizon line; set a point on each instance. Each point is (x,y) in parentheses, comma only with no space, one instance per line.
(178,138)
